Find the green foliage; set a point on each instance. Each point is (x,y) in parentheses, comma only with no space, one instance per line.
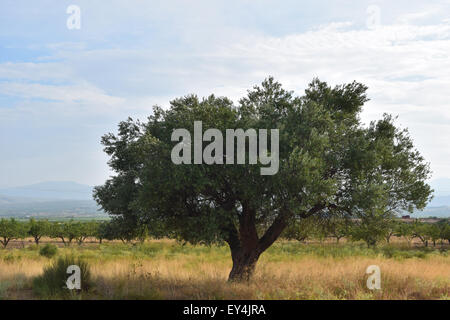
(445,231)
(329,164)
(38,229)
(122,229)
(12,229)
(337,227)
(372,227)
(405,230)
(58,230)
(434,232)
(52,283)
(304,229)
(49,250)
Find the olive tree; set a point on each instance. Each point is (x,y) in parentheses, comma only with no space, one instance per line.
(11,229)
(329,163)
(405,230)
(38,229)
(302,229)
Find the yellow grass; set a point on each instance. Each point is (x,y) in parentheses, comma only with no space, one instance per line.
(191,274)
(304,279)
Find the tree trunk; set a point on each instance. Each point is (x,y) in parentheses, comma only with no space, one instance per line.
(244,264)
(5,242)
(245,245)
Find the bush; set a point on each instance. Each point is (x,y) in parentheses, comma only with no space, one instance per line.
(52,283)
(33,247)
(49,250)
(11,257)
(388,251)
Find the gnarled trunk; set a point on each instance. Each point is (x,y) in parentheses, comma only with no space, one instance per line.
(244,264)
(245,245)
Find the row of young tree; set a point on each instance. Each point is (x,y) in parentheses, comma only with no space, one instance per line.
(70,231)
(371,231)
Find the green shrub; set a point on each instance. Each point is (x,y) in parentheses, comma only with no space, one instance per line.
(11,258)
(49,250)
(33,247)
(388,251)
(52,283)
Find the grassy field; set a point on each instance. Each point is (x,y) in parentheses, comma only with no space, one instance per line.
(165,269)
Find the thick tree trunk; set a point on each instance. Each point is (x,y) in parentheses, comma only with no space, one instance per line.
(245,245)
(244,264)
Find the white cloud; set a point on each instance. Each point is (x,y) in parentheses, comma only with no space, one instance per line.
(67,94)
(406,65)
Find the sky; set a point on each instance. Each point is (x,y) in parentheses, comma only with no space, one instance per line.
(62,88)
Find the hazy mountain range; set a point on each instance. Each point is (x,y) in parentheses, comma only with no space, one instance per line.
(54,190)
(53,198)
(67,198)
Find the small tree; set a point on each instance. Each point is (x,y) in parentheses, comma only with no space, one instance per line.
(11,229)
(338,227)
(38,229)
(121,229)
(301,230)
(420,231)
(108,231)
(372,227)
(405,230)
(59,230)
(445,230)
(142,233)
(102,231)
(83,230)
(433,232)
(391,229)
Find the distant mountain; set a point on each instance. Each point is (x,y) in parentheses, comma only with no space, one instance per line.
(51,208)
(71,198)
(49,199)
(440,205)
(12,200)
(440,212)
(51,190)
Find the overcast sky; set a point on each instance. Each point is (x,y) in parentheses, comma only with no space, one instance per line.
(61,89)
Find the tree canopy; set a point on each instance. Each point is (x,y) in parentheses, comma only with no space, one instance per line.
(330,164)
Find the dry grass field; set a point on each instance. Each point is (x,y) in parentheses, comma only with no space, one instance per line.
(165,269)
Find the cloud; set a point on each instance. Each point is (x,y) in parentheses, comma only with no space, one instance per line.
(66,94)
(124,61)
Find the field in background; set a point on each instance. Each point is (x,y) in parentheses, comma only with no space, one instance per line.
(165,269)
